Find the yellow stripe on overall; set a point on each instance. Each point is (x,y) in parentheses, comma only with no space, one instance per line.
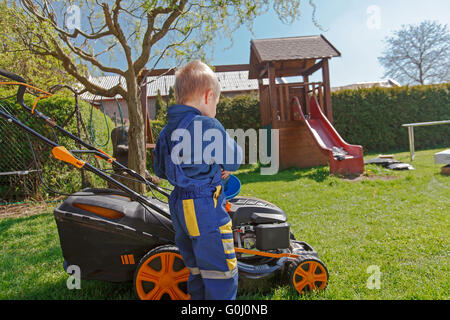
(190,218)
(228,244)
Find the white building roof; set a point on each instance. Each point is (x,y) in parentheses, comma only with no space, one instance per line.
(388,83)
(235,81)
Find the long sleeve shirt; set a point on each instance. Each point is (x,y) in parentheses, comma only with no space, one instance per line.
(204,160)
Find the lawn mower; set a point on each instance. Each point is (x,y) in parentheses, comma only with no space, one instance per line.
(119,235)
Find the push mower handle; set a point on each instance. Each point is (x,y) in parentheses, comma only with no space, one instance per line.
(17,78)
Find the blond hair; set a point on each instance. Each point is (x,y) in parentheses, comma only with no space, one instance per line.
(193,80)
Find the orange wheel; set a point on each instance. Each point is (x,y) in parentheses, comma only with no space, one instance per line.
(162,275)
(308,274)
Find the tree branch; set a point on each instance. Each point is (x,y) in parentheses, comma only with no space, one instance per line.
(150,40)
(113,24)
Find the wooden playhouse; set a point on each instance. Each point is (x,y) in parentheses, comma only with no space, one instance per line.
(302,110)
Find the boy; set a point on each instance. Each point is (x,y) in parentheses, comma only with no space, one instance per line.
(197,203)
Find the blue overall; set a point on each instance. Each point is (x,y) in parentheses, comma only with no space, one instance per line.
(202,226)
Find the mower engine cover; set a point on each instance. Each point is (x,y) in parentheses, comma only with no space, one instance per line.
(272,236)
(247,210)
(266,219)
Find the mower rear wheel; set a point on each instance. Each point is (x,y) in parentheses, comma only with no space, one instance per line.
(308,273)
(161,274)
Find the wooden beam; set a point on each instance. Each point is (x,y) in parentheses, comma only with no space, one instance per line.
(273,95)
(232,68)
(311,70)
(263,72)
(160,72)
(219,68)
(327,90)
(244,67)
(255,63)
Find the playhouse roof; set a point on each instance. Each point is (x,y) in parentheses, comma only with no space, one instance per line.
(294,48)
(289,49)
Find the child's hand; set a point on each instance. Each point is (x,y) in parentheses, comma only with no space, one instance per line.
(225,174)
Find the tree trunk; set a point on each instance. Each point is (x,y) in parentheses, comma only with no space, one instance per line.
(137,151)
(422,82)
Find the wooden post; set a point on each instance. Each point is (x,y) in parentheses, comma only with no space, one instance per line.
(149,143)
(273,95)
(262,102)
(280,92)
(327,90)
(288,103)
(305,90)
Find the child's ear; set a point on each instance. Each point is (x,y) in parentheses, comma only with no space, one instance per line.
(209,95)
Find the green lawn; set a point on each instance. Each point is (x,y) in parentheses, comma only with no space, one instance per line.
(396,220)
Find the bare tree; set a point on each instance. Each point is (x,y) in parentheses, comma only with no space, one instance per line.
(418,54)
(140,32)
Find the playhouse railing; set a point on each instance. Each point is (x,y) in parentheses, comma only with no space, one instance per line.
(285,92)
(303,90)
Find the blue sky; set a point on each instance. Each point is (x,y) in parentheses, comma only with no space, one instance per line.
(350,25)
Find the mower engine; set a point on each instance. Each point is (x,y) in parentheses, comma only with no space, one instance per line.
(258,224)
(262,238)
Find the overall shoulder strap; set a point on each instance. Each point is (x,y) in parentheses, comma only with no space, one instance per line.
(184,123)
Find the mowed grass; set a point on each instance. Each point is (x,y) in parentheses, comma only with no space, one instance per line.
(397,221)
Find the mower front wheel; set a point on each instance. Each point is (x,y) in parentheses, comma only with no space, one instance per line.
(308,273)
(161,274)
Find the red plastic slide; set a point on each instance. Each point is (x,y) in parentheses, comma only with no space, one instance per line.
(344,158)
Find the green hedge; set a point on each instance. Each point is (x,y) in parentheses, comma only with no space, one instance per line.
(57,175)
(373,117)
(239,112)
